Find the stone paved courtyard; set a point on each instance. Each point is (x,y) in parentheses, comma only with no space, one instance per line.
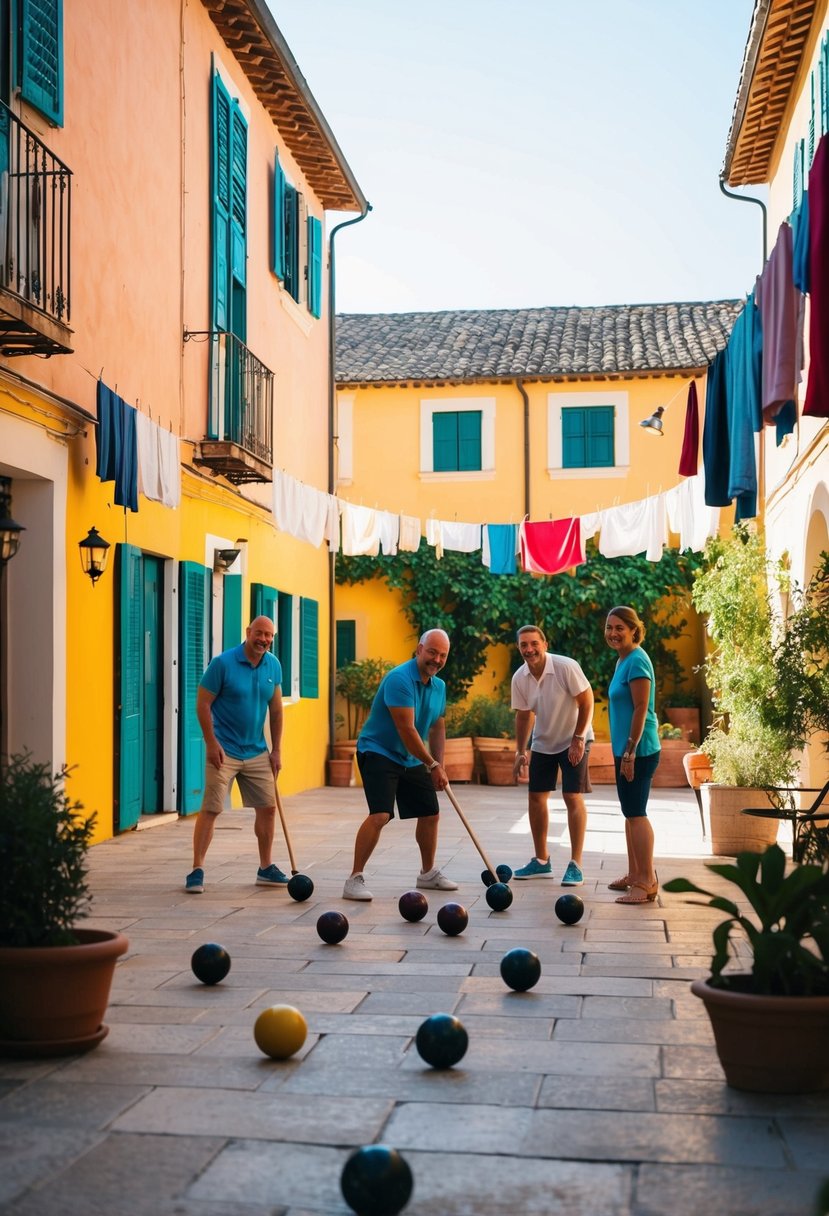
(597,1093)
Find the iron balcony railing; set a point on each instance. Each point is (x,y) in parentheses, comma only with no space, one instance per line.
(241,396)
(35,220)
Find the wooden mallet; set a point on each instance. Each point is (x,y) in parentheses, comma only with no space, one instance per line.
(467,825)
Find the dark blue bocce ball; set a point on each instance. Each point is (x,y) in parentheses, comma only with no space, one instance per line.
(520,969)
(504,875)
(498,896)
(300,887)
(332,927)
(569,909)
(376,1181)
(453,919)
(413,905)
(210,963)
(441,1040)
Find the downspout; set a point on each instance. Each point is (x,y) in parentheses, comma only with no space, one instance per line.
(332,440)
(520,386)
(747,198)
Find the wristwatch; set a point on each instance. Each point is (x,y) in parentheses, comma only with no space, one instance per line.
(579,737)
(434,764)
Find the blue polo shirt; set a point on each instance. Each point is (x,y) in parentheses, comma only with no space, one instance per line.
(635,666)
(242,695)
(402,688)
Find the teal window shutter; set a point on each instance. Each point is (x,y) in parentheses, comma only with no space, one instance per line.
(238,195)
(192,650)
(587,437)
(445,442)
(231,610)
(263,602)
(278,218)
(600,431)
(41,56)
(346,642)
(285,640)
(291,240)
(309,648)
(314,266)
(220,229)
(130,686)
(469,440)
(797,177)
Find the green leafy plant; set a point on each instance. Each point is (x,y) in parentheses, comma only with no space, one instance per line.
(800,660)
(489,718)
(667,731)
(680,699)
(43,845)
(455,719)
(790,947)
(357,683)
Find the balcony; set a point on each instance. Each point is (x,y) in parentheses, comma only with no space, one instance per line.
(35,229)
(239,441)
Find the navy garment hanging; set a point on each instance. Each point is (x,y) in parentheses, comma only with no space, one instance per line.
(745,413)
(715,433)
(117,446)
(107,435)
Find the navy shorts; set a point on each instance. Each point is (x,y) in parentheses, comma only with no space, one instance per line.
(633,795)
(575,778)
(385,781)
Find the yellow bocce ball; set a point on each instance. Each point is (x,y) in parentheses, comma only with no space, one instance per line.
(280,1031)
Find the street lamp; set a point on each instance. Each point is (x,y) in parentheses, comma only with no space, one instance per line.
(93,549)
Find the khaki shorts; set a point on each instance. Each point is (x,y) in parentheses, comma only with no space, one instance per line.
(254,777)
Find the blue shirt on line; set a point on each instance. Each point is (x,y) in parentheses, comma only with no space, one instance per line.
(402,688)
(242,695)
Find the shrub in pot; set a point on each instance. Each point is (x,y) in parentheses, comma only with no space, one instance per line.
(55,976)
(491,723)
(771,1025)
(458,752)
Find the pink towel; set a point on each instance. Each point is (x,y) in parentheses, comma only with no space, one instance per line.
(549,548)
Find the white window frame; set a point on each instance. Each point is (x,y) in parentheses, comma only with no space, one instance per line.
(556,404)
(485,406)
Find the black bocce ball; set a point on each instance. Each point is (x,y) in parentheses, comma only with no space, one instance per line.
(441,1040)
(569,909)
(453,919)
(520,969)
(376,1181)
(499,896)
(503,872)
(300,887)
(332,927)
(210,963)
(413,905)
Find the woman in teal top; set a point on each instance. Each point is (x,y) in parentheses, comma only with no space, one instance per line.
(634,738)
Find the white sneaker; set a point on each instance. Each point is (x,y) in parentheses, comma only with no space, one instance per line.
(434,880)
(355,888)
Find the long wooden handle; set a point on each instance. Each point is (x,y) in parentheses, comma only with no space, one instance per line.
(475,841)
(284,828)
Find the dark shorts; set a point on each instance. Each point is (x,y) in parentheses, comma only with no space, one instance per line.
(544,766)
(633,795)
(385,781)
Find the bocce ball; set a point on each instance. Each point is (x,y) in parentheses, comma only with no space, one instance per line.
(569,909)
(300,887)
(413,905)
(498,896)
(441,1040)
(520,969)
(453,919)
(280,1031)
(332,927)
(504,875)
(376,1181)
(210,963)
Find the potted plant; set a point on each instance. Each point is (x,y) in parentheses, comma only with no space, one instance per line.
(56,977)
(681,709)
(357,684)
(675,747)
(771,1025)
(491,723)
(458,752)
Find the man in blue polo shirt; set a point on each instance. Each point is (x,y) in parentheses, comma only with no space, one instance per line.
(239,688)
(397,766)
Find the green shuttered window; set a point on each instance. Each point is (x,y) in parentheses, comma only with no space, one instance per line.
(229,213)
(192,655)
(346,642)
(587,437)
(296,243)
(314,266)
(456,441)
(40,65)
(309,685)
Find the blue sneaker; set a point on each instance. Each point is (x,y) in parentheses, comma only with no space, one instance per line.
(194,882)
(535,869)
(572,876)
(272,876)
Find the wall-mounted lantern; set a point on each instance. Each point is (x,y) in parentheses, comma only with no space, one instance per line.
(9,529)
(93,549)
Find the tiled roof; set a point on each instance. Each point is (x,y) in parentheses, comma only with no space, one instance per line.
(545,343)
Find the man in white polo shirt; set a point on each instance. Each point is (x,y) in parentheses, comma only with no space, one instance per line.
(554,703)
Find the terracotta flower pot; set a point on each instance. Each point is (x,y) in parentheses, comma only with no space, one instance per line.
(687,718)
(671,771)
(600,765)
(459,759)
(732,832)
(499,766)
(697,768)
(53,998)
(340,771)
(769,1044)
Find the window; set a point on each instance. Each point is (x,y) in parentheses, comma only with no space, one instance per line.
(40,56)
(587,437)
(346,642)
(297,243)
(285,635)
(229,219)
(296,642)
(456,441)
(309,681)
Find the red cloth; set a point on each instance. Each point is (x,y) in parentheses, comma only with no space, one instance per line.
(549,548)
(817,390)
(689,457)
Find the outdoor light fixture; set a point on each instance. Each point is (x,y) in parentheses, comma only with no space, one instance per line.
(9,529)
(653,425)
(223,559)
(93,554)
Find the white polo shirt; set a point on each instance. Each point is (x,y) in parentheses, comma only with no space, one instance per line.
(552,699)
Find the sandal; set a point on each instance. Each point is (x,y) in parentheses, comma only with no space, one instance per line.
(619,884)
(648,894)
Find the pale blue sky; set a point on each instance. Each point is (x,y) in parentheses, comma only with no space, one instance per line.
(532,152)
